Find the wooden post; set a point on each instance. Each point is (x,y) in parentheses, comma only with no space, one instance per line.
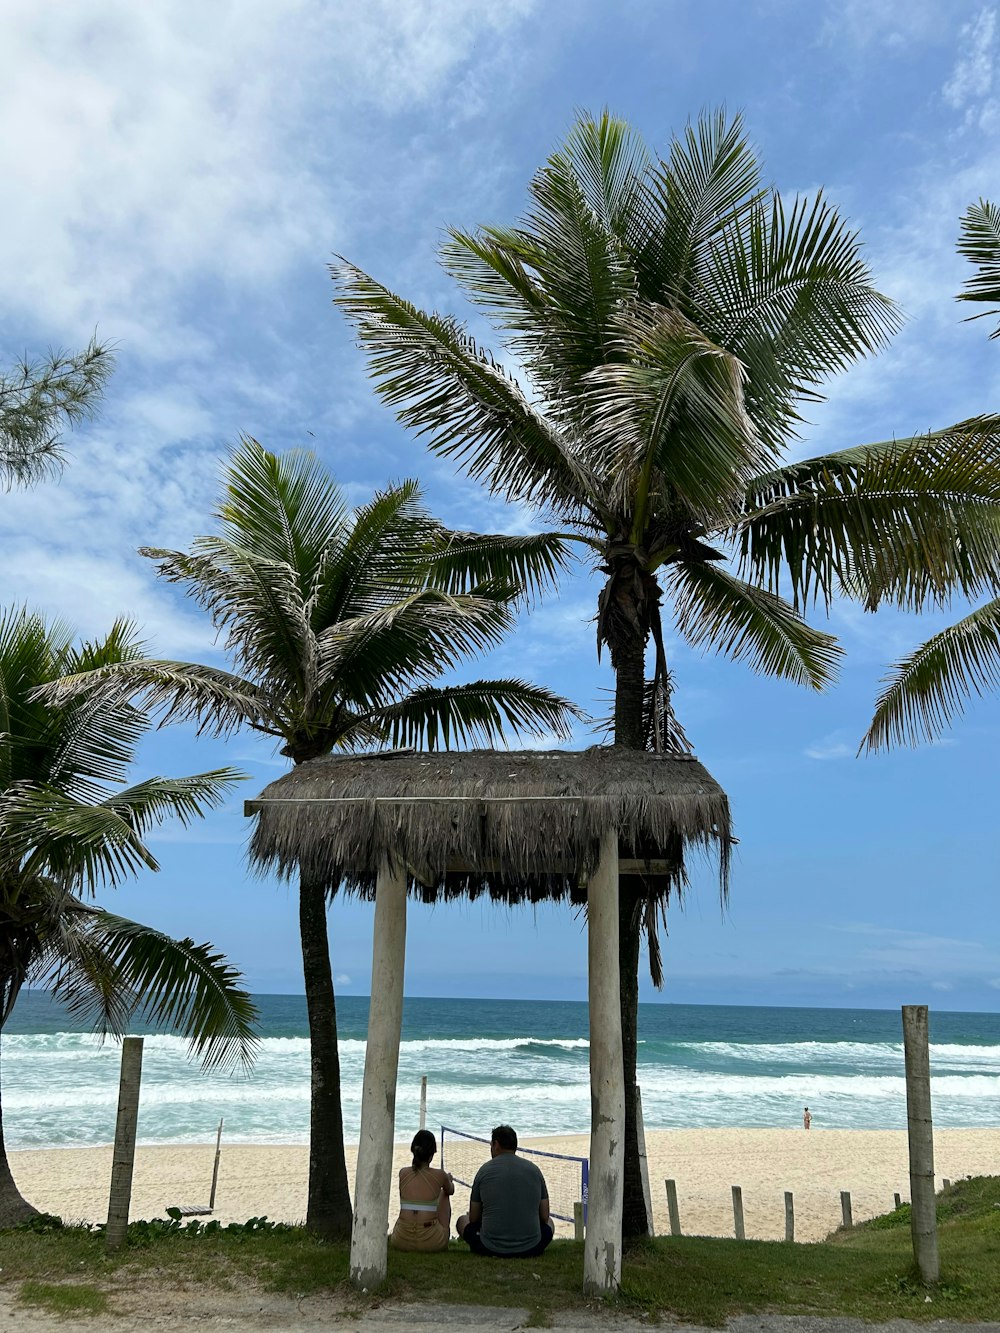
(738,1213)
(897,1202)
(373,1184)
(789,1216)
(640,1130)
(672,1209)
(846,1215)
(423,1102)
(215,1168)
(602,1264)
(920,1133)
(124,1155)
(578,1232)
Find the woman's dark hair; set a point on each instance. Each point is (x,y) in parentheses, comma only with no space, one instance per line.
(423,1147)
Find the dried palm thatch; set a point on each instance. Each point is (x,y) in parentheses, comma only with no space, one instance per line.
(521,826)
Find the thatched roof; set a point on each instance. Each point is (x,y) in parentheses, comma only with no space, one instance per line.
(518,825)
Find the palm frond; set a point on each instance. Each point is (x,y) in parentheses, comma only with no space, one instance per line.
(379,561)
(788,293)
(260,603)
(474,714)
(979,243)
(709,181)
(176,984)
(675,407)
(285,508)
(927,690)
(718,611)
(217,701)
(85,844)
(461,562)
(446,388)
(900,522)
(374,657)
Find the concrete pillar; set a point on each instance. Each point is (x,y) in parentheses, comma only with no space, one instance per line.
(602,1265)
(373,1184)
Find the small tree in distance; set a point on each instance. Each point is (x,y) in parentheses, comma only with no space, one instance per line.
(38,398)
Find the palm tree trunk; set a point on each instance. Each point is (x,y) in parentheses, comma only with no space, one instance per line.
(634,1220)
(630,674)
(328,1209)
(14,1208)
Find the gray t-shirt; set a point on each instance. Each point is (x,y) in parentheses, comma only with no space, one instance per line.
(510,1190)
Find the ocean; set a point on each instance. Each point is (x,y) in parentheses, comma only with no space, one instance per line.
(520,1061)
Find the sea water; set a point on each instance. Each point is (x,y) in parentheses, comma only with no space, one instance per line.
(487,1061)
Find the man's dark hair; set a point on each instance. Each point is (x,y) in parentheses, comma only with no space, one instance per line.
(505,1138)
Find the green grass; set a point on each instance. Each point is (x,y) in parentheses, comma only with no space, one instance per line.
(64,1298)
(866,1272)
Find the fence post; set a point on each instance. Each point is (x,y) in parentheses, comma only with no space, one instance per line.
(945,1183)
(789,1216)
(124,1155)
(738,1213)
(578,1231)
(423,1102)
(215,1168)
(675,1217)
(897,1201)
(920,1134)
(846,1215)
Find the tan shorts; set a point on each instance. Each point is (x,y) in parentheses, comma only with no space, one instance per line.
(418,1237)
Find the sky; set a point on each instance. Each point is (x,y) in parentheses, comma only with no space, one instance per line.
(178,177)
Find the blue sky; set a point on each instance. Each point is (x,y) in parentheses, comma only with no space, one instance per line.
(178,176)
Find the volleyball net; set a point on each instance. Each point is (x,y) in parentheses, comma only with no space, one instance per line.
(567,1177)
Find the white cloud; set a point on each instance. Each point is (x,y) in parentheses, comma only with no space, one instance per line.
(146,150)
(833,746)
(342,980)
(973,75)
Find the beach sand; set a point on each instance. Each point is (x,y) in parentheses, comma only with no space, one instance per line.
(706,1163)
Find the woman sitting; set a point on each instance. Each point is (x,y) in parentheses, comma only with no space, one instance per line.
(425,1192)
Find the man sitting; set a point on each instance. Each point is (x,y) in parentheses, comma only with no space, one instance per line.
(508,1214)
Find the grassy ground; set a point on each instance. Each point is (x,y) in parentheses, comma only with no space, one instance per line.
(866,1272)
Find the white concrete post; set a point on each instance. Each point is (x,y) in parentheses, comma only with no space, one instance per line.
(602,1264)
(373,1183)
(920,1133)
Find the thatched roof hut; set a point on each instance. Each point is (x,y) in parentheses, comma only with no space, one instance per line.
(518,825)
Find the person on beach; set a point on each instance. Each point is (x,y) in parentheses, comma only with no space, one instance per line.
(424,1201)
(806,1118)
(508,1215)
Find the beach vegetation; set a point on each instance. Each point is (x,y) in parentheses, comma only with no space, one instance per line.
(340,624)
(70,827)
(671,317)
(38,398)
(64,1298)
(865,1272)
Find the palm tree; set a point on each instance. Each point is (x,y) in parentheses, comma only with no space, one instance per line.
(37,397)
(672,316)
(338,625)
(927,689)
(68,827)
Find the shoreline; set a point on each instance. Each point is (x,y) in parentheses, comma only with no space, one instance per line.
(270,1179)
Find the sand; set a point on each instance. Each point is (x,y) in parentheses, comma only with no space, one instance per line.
(705,1163)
